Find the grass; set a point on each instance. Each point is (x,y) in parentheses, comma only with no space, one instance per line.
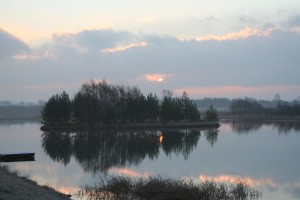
(6,169)
(159,188)
(18,182)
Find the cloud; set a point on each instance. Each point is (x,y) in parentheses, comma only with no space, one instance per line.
(101,39)
(250,58)
(242,34)
(46,54)
(187,27)
(294,21)
(10,45)
(161,40)
(247,20)
(124,47)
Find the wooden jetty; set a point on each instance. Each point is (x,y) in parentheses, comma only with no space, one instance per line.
(17,157)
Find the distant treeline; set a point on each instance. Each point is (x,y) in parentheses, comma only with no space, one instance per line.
(225,104)
(107,103)
(20,111)
(221,104)
(276,107)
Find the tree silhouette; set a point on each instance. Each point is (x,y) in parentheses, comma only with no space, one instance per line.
(104,103)
(58,108)
(211,114)
(189,108)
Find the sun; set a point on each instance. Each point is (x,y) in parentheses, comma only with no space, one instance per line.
(155,77)
(160,79)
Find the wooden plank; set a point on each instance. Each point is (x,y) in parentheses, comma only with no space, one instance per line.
(17,157)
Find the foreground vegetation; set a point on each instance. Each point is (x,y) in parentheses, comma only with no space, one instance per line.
(13,186)
(105,103)
(119,187)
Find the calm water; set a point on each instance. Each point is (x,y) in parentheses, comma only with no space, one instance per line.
(266,155)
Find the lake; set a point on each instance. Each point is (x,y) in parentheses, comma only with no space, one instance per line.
(266,155)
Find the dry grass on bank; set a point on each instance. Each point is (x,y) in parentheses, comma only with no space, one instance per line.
(14,187)
(159,188)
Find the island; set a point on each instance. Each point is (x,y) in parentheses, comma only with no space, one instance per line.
(103,105)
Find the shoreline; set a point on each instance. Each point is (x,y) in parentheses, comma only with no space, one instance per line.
(13,186)
(173,125)
(253,117)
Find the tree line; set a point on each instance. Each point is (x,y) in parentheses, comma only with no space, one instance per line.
(252,106)
(11,112)
(101,102)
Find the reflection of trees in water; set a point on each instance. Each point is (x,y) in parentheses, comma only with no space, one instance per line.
(58,146)
(245,127)
(282,127)
(211,135)
(100,150)
(180,142)
(286,127)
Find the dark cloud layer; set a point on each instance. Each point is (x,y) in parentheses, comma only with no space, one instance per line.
(73,58)
(10,45)
(294,21)
(94,39)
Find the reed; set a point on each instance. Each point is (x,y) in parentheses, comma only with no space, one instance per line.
(159,188)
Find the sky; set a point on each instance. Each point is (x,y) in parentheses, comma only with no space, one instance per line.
(207,48)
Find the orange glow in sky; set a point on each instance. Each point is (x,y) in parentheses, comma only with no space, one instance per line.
(244,33)
(155,77)
(124,47)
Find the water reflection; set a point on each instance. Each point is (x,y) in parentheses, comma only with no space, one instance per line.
(58,146)
(282,127)
(101,150)
(233,178)
(97,151)
(245,127)
(265,160)
(4,122)
(262,182)
(180,142)
(286,127)
(211,136)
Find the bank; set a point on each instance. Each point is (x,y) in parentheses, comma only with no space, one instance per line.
(257,117)
(130,126)
(14,187)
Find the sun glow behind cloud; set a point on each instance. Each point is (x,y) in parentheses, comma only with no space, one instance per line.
(244,33)
(155,77)
(144,58)
(124,47)
(36,56)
